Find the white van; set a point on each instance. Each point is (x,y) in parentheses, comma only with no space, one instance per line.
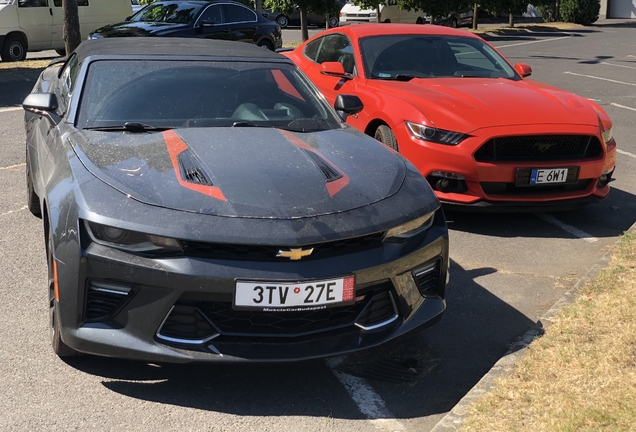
(36,25)
(389,13)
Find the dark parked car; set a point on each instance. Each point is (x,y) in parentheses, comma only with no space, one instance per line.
(284,20)
(202,202)
(222,19)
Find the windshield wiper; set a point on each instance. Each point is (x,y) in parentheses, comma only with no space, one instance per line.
(249,124)
(401,77)
(129,126)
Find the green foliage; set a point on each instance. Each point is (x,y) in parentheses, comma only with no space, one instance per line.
(319,7)
(146,2)
(583,12)
(548,11)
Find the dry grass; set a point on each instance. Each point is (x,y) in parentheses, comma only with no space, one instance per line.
(26,64)
(581,375)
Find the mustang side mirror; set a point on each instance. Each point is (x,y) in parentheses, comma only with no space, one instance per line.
(347,104)
(43,104)
(334,69)
(523,69)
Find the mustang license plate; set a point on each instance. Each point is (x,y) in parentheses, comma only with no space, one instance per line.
(552,175)
(288,296)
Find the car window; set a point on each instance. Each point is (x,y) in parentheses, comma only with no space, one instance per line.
(58,3)
(213,14)
(311,49)
(173,12)
(67,84)
(430,56)
(201,94)
(337,48)
(32,3)
(236,14)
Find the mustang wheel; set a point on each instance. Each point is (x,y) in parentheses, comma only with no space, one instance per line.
(14,49)
(33,201)
(282,21)
(59,347)
(385,135)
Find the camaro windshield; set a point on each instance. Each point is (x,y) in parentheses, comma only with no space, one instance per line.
(174,12)
(153,94)
(403,57)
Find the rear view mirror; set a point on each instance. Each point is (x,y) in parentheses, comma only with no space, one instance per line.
(43,104)
(523,69)
(334,69)
(347,104)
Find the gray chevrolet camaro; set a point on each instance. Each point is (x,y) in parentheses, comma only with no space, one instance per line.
(202,202)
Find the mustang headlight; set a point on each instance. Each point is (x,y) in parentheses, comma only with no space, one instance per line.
(608,134)
(411,228)
(435,135)
(132,241)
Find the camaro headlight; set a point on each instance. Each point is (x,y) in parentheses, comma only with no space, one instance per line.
(132,241)
(435,135)
(411,228)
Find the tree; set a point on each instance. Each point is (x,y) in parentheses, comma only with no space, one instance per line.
(71,34)
(318,7)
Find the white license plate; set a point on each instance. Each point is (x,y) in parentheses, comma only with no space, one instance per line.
(552,175)
(292,296)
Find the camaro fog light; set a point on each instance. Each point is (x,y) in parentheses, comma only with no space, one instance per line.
(411,228)
(435,135)
(132,241)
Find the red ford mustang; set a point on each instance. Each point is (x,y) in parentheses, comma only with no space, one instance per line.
(482,135)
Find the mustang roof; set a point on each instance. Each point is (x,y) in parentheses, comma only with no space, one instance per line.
(173,47)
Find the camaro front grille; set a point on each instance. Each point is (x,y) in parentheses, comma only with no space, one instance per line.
(269,253)
(190,321)
(540,148)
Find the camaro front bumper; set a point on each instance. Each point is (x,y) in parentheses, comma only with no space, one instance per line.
(179,309)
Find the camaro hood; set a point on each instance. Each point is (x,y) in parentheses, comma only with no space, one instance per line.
(467,104)
(137,28)
(244,171)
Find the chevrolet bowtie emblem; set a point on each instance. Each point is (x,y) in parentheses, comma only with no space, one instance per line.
(294,254)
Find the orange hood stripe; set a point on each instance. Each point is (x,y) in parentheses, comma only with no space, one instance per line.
(176,146)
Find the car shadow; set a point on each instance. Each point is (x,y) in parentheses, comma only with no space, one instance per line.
(16,84)
(450,357)
(617,213)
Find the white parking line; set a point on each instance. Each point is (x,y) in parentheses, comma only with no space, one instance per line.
(13,166)
(368,401)
(13,211)
(599,78)
(10,109)
(623,66)
(623,152)
(568,228)
(532,42)
(622,106)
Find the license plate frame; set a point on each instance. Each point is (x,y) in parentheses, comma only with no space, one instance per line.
(291,296)
(524,176)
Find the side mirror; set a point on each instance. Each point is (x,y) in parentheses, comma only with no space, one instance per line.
(43,104)
(523,69)
(334,69)
(347,104)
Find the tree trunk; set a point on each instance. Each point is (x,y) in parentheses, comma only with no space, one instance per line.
(475,16)
(511,20)
(326,21)
(259,6)
(377,14)
(71,33)
(303,25)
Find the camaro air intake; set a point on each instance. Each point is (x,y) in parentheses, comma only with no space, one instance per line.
(104,299)
(428,279)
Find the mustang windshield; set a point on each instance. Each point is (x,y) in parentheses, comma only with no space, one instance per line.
(404,57)
(169,94)
(173,12)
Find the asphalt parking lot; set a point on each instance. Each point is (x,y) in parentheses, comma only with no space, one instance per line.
(506,271)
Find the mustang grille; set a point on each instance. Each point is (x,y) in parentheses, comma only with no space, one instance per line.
(190,319)
(541,148)
(268,253)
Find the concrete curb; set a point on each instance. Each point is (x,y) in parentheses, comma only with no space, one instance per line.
(453,421)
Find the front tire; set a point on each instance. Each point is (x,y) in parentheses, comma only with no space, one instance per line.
(14,49)
(385,135)
(282,21)
(61,52)
(33,201)
(59,347)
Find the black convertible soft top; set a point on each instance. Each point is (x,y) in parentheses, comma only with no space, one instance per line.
(173,47)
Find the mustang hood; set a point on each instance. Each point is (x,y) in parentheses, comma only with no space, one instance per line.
(244,171)
(466,104)
(138,28)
